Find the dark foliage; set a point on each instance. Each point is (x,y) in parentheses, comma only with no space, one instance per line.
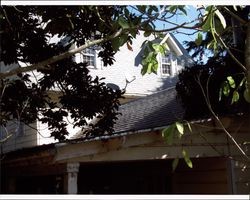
(25,35)
(198,51)
(216,70)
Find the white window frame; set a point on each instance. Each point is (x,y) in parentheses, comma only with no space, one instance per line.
(167,64)
(90,55)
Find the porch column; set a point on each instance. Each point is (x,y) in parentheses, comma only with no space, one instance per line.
(71,178)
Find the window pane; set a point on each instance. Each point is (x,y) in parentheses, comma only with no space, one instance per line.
(166,69)
(89,51)
(89,56)
(166,59)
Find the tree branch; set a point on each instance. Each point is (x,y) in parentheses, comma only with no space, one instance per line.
(218,119)
(231,54)
(43,64)
(242,21)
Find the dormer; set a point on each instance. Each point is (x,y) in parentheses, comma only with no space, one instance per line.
(171,63)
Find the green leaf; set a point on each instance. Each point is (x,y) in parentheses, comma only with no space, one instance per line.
(144,70)
(213,30)
(207,25)
(168,133)
(218,27)
(187,159)
(147,33)
(116,43)
(150,56)
(208,8)
(231,81)
(172,8)
(226,88)
(148,29)
(222,19)
(183,9)
(123,39)
(141,8)
(247,95)
(149,69)
(150,45)
(159,48)
(179,127)
(235,97)
(155,67)
(119,41)
(166,47)
(175,164)
(123,22)
(198,40)
(133,32)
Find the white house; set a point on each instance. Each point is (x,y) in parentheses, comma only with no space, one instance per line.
(125,72)
(135,159)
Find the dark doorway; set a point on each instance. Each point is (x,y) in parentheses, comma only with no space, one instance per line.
(208,176)
(39,185)
(151,177)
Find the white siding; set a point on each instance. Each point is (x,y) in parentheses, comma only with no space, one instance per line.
(16,141)
(127,65)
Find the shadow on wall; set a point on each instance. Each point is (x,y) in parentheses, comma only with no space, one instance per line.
(138,58)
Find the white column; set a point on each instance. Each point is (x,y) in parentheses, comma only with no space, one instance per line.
(72,170)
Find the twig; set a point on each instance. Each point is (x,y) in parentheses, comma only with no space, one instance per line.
(230,53)
(219,121)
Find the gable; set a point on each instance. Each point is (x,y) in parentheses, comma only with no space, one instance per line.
(126,70)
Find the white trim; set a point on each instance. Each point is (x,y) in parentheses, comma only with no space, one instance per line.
(89,55)
(172,44)
(171,73)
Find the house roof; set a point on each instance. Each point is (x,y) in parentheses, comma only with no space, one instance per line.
(156,110)
(147,113)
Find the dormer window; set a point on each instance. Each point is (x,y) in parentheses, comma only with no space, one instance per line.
(166,64)
(89,56)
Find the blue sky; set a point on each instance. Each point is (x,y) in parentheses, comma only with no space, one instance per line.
(179,19)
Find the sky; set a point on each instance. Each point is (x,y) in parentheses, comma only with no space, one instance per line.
(179,19)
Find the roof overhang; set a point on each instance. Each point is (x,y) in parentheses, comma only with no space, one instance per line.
(172,44)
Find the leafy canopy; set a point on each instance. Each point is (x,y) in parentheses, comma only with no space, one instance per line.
(26,34)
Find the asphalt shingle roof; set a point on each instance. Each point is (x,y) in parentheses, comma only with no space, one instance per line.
(157,110)
(150,112)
